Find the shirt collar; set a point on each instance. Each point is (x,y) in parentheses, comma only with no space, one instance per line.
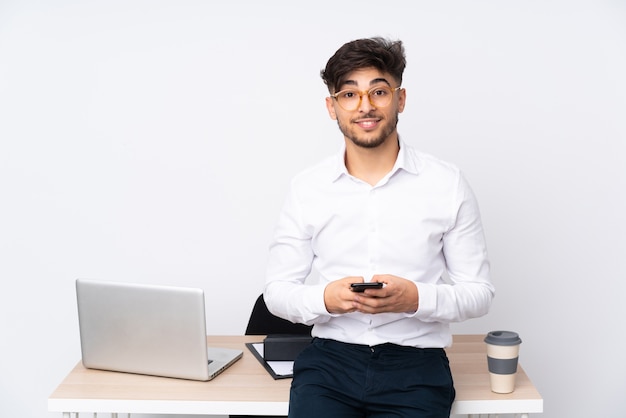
(403,162)
(406,160)
(340,164)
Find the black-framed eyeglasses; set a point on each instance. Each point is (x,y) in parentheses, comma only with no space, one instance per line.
(350,99)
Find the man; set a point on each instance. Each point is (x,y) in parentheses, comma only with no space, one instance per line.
(379,211)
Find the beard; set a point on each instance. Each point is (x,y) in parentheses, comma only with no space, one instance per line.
(369,142)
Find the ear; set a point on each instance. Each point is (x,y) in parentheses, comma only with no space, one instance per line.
(401,100)
(330,106)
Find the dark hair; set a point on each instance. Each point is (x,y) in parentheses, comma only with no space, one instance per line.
(380,53)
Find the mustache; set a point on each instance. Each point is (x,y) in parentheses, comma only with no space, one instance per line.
(369,115)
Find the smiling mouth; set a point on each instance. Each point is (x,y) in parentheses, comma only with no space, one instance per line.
(367,123)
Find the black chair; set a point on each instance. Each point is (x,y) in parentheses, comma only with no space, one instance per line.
(263,322)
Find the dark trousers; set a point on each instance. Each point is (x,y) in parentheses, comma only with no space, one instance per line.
(339,380)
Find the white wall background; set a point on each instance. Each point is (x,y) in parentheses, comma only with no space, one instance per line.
(153,141)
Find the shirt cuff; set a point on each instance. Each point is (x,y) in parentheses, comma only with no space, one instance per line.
(427,303)
(317,306)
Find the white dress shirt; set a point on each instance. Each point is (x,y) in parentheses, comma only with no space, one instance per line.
(419,222)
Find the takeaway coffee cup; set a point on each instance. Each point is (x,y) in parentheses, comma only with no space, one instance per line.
(502,355)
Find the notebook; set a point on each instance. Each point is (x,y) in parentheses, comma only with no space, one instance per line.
(147,329)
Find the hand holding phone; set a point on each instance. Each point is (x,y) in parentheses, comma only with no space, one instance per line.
(360,287)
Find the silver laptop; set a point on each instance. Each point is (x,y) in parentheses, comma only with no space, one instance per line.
(147,329)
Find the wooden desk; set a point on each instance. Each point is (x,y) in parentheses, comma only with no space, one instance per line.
(246,388)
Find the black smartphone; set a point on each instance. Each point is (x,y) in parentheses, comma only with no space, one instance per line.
(360,287)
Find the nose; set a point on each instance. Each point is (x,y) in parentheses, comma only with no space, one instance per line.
(365,105)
